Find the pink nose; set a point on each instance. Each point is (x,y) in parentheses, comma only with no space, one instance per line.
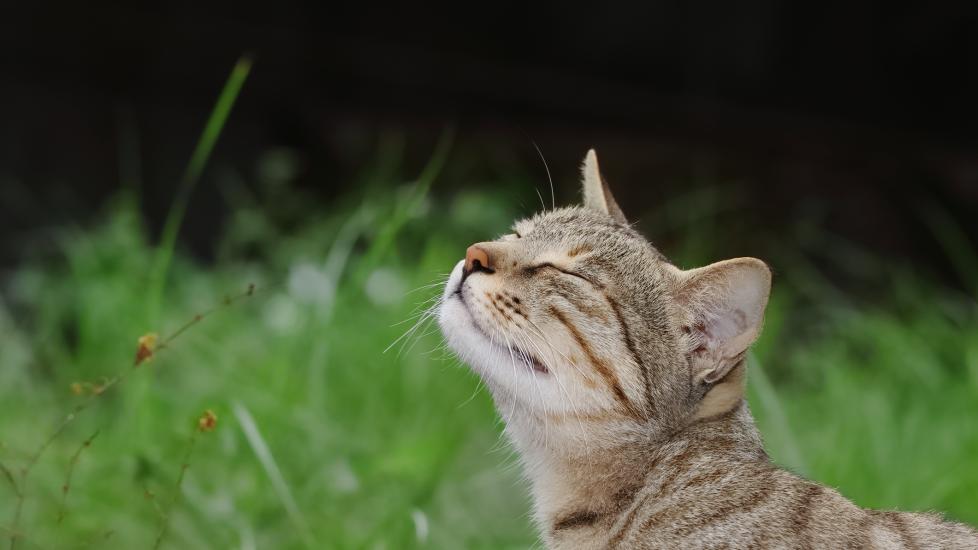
(477,258)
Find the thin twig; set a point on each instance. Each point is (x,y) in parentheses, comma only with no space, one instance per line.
(98,390)
(20,535)
(71,470)
(228,301)
(18,507)
(9,476)
(15,533)
(165,520)
(96,537)
(151,496)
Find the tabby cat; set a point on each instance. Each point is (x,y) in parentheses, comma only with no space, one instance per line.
(620,378)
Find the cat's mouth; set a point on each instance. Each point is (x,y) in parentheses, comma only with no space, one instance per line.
(516,353)
(527,359)
(519,355)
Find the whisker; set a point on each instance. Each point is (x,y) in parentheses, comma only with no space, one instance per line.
(478,386)
(553,371)
(440,282)
(427,315)
(542,401)
(543,205)
(550,345)
(415,340)
(417,312)
(408,333)
(512,411)
(553,200)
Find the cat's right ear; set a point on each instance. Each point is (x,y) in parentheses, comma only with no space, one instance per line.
(723,309)
(597,195)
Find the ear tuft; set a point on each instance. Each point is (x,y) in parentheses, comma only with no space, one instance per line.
(597,195)
(723,307)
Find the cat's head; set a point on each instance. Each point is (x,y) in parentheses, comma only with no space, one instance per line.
(576,322)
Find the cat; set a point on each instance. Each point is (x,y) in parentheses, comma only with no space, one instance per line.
(620,378)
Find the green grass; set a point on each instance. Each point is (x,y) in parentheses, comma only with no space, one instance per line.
(325,440)
(322,437)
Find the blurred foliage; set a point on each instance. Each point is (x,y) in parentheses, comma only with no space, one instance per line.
(325,440)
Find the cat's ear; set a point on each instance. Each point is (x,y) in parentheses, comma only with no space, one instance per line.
(723,308)
(597,195)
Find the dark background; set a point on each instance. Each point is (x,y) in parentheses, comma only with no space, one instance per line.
(862,112)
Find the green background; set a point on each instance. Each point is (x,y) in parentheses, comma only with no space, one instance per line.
(865,378)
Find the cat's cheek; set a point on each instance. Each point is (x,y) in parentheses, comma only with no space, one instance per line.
(449,317)
(464,339)
(455,323)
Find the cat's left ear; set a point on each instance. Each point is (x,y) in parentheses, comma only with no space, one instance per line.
(723,308)
(597,195)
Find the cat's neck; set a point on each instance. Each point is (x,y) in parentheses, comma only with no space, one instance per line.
(571,489)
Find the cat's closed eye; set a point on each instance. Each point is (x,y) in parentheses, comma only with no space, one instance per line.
(530,270)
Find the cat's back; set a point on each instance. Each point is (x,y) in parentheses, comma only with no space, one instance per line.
(760,506)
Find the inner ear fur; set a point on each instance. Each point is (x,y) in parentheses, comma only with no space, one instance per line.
(597,194)
(722,307)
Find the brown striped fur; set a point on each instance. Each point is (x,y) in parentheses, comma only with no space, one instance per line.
(621,380)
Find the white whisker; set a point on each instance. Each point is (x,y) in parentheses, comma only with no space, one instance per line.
(553,200)
(553,372)
(421,318)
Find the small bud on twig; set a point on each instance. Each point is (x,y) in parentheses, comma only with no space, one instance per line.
(207,421)
(146,346)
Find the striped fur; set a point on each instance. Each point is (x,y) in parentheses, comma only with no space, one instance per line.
(620,378)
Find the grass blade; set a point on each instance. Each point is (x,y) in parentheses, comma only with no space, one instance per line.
(202,152)
(771,403)
(264,454)
(954,241)
(388,232)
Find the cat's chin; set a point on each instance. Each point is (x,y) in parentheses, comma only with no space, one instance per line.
(471,341)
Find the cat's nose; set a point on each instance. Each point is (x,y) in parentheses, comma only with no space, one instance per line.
(477,258)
